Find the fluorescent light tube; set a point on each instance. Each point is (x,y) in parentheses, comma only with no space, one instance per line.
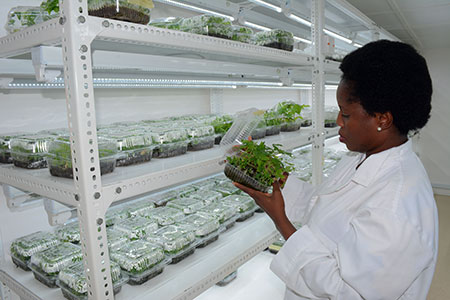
(300,20)
(302,40)
(335,35)
(357,45)
(250,24)
(195,8)
(267,5)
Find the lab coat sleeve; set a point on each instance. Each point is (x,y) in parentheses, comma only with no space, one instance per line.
(377,258)
(297,196)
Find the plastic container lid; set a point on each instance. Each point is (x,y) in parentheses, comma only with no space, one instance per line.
(69,232)
(56,258)
(138,256)
(33,243)
(165,215)
(202,225)
(137,227)
(187,205)
(172,238)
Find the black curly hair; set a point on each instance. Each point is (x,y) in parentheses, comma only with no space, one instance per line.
(390,76)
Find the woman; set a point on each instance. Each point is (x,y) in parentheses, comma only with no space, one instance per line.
(370,231)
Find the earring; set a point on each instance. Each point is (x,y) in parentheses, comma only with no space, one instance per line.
(379,129)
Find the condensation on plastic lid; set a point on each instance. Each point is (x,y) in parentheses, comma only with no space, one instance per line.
(243,125)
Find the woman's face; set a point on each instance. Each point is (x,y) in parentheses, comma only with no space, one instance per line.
(358,129)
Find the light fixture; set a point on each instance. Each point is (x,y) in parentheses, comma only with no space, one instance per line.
(299,20)
(302,40)
(196,8)
(267,5)
(340,37)
(357,45)
(256,26)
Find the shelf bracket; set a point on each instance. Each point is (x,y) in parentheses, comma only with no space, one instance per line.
(5,81)
(43,74)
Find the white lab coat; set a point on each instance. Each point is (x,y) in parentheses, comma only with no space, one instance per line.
(368,233)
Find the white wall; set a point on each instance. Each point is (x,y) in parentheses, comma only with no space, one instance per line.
(434,141)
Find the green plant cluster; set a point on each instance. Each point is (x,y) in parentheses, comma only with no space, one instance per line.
(242,34)
(222,124)
(290,111)
(272,118)
(261,162)
(274,36)
(50,6)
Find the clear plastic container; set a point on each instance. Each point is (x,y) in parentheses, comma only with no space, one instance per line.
(136,227)
(200,137)
(242,34)
(5,147)
(202,225)
(187,205)
(29,151)
(115,215)
(59,156)
(206,228)
(221,125)
(69,233)
(123,10)
(177,241)
(243,204)
(133,147)
(273,122)
(291,125)
(168,23)
(47,264)
(116,238)
(226,188)
(24,247)
(275,38)
(165,215)
(21,17)
(140,208)
(141,260)
(73,283)
(260,131)
(206,195)
(307,117)
(331,114)
(224,214)
(170,142)
(208,25)
(164,198)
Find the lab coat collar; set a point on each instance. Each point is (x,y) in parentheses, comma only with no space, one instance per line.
(368,170)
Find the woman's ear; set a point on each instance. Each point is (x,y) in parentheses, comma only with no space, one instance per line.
(385,120)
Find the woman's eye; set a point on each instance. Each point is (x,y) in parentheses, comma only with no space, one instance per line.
(344,115)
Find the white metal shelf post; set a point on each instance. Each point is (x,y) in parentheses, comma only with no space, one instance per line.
(318,89)
(76,47)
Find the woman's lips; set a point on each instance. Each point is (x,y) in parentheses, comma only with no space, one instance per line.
(341,138)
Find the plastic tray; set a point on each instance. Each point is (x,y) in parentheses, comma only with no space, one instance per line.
(178,241)
(239,176)
(148,257)
(24,247)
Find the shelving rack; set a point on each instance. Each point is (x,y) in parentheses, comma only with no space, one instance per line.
(78,46)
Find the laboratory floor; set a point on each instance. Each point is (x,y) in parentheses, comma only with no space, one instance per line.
(255,280)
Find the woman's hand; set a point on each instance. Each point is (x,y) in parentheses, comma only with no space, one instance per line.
(273,205)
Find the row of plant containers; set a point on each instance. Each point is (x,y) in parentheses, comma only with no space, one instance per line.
(129,143)
(143,236)
(139,12)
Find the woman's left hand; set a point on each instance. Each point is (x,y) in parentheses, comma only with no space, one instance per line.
(273,205)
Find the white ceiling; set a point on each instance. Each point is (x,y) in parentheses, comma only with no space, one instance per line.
(422,23)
